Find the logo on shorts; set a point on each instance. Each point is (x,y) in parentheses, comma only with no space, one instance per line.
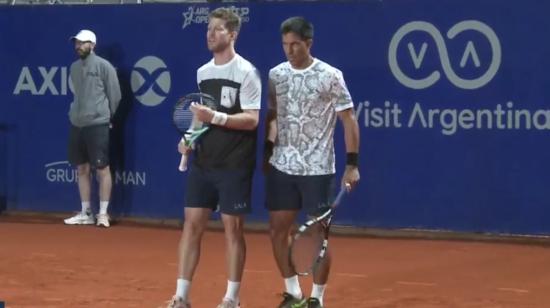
(199,15)
(240,206)
(481,69)
(150,81)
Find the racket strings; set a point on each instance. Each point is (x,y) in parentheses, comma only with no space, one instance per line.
(184,118)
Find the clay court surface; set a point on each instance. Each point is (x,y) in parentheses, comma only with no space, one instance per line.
(47,264)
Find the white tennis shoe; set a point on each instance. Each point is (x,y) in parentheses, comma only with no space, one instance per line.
(103,220)
(80,219)
(227,303)
(178,302)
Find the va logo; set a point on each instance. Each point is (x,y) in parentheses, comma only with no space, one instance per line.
(469,55)
(150,81)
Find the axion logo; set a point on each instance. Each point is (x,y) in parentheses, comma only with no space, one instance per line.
(43,80)
(469,53)
(150,81)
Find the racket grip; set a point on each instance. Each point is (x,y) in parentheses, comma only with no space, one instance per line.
(183,163)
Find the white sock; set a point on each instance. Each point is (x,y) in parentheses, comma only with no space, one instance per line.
(86,208)
(182,288)
(103,205)
(232,292)
(292,285)
(317,291)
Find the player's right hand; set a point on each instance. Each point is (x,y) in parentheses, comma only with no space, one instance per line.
(202,113)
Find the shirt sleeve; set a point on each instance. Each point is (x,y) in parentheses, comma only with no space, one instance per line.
(112,88)
(342,96)
(251,91)
(74,80)
(271,93)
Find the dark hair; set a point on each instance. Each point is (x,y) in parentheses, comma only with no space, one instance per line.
(232,19)
(299,26)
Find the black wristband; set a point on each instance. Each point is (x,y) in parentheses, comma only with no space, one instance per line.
(268,146)
(352,159)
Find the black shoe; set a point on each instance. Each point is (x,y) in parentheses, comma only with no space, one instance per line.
(313,302)
(290,301)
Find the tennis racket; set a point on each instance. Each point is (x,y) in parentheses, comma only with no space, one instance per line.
(186,124)
(309,245)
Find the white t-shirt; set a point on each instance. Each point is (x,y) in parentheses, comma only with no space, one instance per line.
(226,81)
(236,86)
(307,102)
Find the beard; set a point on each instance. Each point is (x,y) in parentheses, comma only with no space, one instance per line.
(217,47)
(83,53)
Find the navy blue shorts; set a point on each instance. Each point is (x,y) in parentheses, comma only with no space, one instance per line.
(313,193)
(89,144)
(226,190)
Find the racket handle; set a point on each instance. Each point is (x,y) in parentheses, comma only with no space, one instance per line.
(183,163)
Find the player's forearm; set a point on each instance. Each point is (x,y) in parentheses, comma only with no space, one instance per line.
(351,134)
(352,139)
(270,135)
(271,126)
(246,120)
(112,87)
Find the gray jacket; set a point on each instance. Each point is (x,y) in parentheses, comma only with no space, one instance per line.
(96,91)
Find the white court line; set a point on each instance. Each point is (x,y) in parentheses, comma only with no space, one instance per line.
(417,283)
(513,290)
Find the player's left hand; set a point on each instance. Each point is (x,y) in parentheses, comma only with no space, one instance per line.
(202,113)
(351,176)
(183,148)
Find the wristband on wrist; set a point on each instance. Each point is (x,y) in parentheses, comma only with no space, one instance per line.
(219,118)
(352,159)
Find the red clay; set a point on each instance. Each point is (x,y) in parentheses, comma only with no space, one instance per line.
(53,265)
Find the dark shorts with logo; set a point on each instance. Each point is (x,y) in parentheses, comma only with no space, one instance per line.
(228,191)
(89,144)
(313,193)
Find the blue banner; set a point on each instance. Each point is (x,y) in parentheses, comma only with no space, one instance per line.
(451,98)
